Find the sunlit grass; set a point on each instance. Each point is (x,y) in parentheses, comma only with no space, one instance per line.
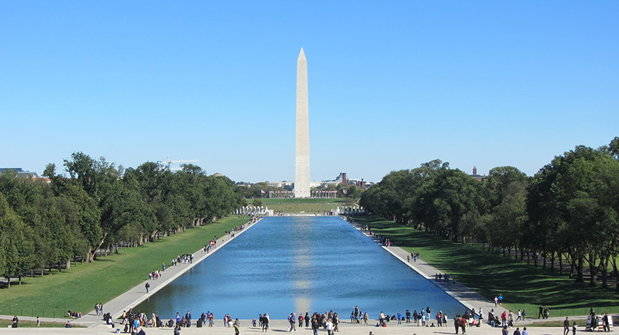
(85,284)
(523,286)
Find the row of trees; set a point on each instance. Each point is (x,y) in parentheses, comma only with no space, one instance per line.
(567,212)
(97,206)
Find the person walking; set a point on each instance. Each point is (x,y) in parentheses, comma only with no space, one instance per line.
(574,328)
(462,322)
(566,326)
(330,327)
(336,323)
(456,323)
(236,325)
(292,321)
(606,322)
(315,325)
(265,323)
(147,286)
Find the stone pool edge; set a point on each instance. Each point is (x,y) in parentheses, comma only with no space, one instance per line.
(127,300)
(466,296)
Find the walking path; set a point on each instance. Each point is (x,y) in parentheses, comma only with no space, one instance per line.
(465,295)
(281,326)
(137,294)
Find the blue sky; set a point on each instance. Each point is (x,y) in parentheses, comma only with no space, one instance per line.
(392,84)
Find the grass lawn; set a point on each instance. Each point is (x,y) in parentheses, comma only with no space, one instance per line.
(304,205)
(86,284)
(523,286)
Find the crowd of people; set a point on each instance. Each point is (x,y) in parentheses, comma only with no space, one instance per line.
(328,321)
(442,277)
(543,312)
(596,321)
(503,319)
(414,255)
(133,322)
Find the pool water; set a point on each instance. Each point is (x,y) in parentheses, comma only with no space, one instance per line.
(299,264)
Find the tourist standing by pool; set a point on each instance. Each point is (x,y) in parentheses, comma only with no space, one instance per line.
(236,326)
(292,321)
(330,327)
(315,324)
(264,322)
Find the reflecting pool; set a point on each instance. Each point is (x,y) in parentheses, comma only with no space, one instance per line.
(299,264)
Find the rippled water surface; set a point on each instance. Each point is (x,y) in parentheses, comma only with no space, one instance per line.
(299,264)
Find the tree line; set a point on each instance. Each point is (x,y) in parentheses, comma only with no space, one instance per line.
(568,212)
(97,206)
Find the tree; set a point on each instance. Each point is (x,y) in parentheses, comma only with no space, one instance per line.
(15,243)
(505,191)
(576,192)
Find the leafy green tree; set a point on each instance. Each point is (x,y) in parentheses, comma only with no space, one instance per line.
(15,243)
(505,192)
(573,194)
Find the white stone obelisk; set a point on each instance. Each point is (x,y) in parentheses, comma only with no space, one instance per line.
(302,167)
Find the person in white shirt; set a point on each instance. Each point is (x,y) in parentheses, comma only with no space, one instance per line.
(330,327)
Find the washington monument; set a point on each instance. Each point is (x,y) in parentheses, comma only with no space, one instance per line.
(302,166)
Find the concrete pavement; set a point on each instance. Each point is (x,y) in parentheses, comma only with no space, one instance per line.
(465,295)
(137,294)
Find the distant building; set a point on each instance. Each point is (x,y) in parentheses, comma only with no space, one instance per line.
(285,194)
(19,172)
(324,194)
(342,179)
(281,184)
(477,176)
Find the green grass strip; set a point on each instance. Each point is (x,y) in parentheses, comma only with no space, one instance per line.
(523,286)
(79,288)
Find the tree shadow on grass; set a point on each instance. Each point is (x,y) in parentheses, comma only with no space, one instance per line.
(493,274)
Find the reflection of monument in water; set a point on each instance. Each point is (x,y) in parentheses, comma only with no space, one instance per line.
(302,156)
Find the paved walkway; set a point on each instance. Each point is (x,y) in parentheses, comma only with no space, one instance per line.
(137,294)
(281,326)
(465,295)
